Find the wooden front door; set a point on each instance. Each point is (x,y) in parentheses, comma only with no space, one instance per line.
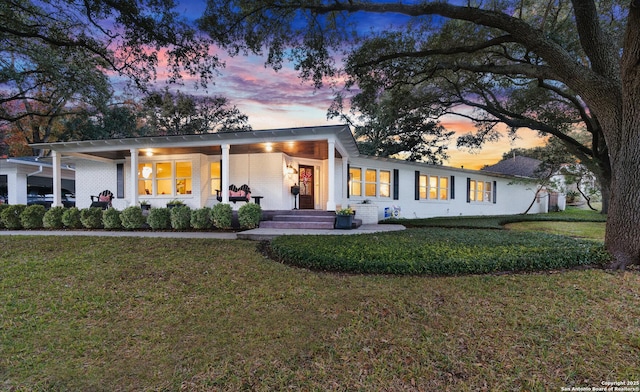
(307,200)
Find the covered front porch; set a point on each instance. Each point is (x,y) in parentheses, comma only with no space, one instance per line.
(193,167)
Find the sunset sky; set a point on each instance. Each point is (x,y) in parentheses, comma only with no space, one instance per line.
(282,100)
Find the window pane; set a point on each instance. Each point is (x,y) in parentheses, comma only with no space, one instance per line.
(145,170)
(371,175)
(444,188)
(385,176)
(370,189)
(355,182)
(385,190)
(183,169)
(164,187)
(216,179)
(163,170)
(423,181)
(145,187)
(472,190)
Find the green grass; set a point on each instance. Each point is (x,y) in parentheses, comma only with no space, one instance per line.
(586,230)
(499,221)
(107,314)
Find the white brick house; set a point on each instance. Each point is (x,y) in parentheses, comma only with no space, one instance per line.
(323,161)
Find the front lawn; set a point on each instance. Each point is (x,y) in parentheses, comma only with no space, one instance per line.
(105,314)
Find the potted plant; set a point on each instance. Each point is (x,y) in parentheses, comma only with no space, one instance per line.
(145,205)
(174,203)
(344,218)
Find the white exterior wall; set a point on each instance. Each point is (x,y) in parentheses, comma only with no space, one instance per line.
(510,198)
(93,177)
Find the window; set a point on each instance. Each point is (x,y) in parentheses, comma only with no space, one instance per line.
(480,191)
(434,187)
(371,182)
(385,183)
(216,177)
(159,178)
(423,186)
(355,181)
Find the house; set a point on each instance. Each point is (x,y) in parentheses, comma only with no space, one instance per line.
(29,180)
(322,163)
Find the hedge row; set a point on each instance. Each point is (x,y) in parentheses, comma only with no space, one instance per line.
(438,252)
(20,216)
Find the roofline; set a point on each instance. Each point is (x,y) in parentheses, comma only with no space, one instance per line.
(431,165)
(343,133)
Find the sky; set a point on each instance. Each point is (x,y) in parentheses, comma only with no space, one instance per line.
(281,99)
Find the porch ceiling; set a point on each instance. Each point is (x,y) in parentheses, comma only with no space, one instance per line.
(300,149)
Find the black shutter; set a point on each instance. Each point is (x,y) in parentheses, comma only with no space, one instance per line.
(468,190)
(348,180)
(396,184)
(453,187)
(120,181)
(495,191)
(417,185)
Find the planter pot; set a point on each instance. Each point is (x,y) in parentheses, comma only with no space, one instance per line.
(145,207)
(344,222)
(170,206)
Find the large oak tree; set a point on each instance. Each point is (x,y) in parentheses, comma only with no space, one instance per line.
(586,52)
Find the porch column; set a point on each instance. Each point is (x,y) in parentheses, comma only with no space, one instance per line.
(225,173)
(57,179)
(345,178)
(134,177)
(331,200)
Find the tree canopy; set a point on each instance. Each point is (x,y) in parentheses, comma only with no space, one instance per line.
(544,65)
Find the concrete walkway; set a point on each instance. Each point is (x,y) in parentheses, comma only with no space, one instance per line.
(255,234)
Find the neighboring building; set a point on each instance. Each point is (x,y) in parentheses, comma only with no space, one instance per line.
(29,180)
(324,161)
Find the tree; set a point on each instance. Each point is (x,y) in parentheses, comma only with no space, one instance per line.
(167,113)
(586,52)
(72,44)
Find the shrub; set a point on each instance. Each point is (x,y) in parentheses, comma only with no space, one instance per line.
(53,218)
(201,218)
(91,218)
(249,215)
(438,252)
(71,218)
(2,207)
(222,215)
(111,219)
(11,216)
(181,218)
(32,216)
(159,218)
(132,218)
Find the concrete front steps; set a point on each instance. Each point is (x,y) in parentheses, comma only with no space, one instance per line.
(300,219)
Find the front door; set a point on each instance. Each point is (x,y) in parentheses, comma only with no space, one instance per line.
(307,201)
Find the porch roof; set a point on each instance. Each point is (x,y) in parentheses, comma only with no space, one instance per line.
(307,142)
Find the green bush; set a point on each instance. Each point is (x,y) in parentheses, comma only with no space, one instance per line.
(71,218)
(32,216)
(10,216)
(111,219)
(438,252)
(201,218)
(91,218)
(53,218)
(132,218)
(249,215)
(222,215)
(2,207)
(159,218)
(181,217)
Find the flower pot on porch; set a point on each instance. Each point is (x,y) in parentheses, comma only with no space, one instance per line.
(344,222)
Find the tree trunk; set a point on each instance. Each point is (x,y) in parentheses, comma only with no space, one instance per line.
(622,237)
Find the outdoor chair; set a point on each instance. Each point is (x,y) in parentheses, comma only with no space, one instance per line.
(103,200)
